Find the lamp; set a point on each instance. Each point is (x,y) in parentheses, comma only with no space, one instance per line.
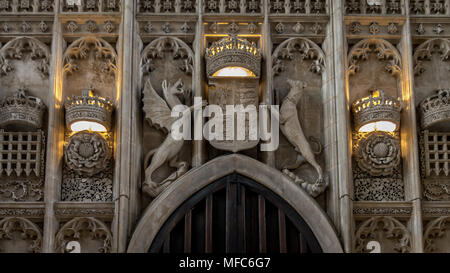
(377,112)
(88,113)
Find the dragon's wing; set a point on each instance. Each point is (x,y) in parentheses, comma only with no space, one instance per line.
(157,112)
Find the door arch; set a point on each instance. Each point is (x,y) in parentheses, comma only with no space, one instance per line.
(158,218)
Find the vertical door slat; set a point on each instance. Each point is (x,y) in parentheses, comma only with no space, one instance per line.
(187,231)
(282,230)
(262,224)
(208,224)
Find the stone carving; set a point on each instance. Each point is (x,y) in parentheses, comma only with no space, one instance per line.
(316,28)
(85,230)
(436,235)
(298,28)
(370,7)
(308,51)
(298,7)
(15,229)
(291,128)
(233,51)
(89,48)
(392,28)
(280,28)
(425,51)
(22,111)
(104,6)
(420,29)
(382,211)
(168,6)
(26,6)
(392,234)
(384,51)
(435,153)
(22,212)
(378,154)
(158,114)
(438,29)
(384,189)
(436,190)
(21,48)
(355,27)
(89,108)
(435,110)
(87,153)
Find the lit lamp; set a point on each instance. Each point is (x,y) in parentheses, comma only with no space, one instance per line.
(88,113)
(377,112)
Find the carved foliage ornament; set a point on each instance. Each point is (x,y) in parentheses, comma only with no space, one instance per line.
(436,230)
(306,49)
(81,48)
(157,50)
(390,228)
(383,50)
(378,154)
(29,231)
(87,153)
(73,230)
(22,48)
(425,51)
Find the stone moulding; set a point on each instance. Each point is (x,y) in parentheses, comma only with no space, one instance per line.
(391,228)
(307,49)
(19,48)
(72,231)
(233,51)
(384,50)
(69,210)
(425,51)
(80,49)
(29,231)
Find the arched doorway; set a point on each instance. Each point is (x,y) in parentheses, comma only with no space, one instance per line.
(235,215)
(169,209)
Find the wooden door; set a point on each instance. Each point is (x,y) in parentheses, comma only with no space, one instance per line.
(235,215)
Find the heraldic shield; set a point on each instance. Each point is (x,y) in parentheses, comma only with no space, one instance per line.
(233,68)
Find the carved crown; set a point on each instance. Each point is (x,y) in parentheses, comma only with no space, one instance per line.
(22,110)
(231,52)
(376,107)
(89,108)
(435,109)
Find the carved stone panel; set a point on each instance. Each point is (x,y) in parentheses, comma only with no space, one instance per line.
(437,236)
(93,235)
(299,76)
(19,235)
(391,234)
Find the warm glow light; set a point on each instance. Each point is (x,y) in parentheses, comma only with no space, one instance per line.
(87,126)
(384,126)
(234,71)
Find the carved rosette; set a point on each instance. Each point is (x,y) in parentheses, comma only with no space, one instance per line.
(386,230)
(87,153)
(28,232)
(77,228)
(378,154)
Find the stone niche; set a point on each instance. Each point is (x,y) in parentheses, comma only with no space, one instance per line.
(299,66)
(166,68)
(19,235)
(432,97)
(88,171)
(374,73)
(24,87)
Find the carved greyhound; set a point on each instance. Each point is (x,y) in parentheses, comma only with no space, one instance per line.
(291,128)
(158,114)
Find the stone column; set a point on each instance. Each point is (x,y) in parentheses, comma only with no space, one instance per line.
(410,145)
(124,178)
(55,138)
(198,146)
(343,128)
(267,93)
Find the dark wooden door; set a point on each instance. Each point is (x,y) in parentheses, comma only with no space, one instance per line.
(235,215)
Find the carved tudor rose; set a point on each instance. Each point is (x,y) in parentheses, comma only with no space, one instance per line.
(378,154)
(87,153)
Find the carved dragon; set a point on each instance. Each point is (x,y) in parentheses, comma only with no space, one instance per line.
(291,128)
(158,114)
